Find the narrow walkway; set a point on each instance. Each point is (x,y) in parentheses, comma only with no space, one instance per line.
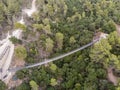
(54,59)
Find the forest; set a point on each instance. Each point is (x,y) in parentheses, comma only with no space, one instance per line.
(58,27)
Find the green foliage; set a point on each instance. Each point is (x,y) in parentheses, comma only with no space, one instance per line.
(23,86)
(20,52)
(114,40)
(46,21)
(9,9)
(38,26)
(20,26)
(50,88)
(60,26)
(109,27)
(103,51)
(53,67)
(59,39)
(21,74)
(14,40)
(47,29)
(33,85)
(2,85)
(49,45)
(2,18)
(53,82)
(77,86)
(13,6)
(72,40)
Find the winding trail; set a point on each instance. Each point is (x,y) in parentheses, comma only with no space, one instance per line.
(33,9)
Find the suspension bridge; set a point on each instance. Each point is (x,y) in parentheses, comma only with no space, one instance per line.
(53,59)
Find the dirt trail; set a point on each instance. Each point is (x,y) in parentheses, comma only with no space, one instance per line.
(111,77)
(118,28)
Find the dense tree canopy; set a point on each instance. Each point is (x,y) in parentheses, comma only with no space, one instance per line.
(60,26)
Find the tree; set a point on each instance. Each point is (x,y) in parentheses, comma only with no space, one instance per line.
(2,85)
(20,26)
(109,27)
(59,39)
(114,40)
(20,52)
(38,26)
(49,45)
(22,73)
(53,67)
(53,82)
(14,40)
(2,18)
(65,9)
(47,29)
(46,21)
(72,40)
(23,86)
(33,85)
(83,14)
(77,86)
(13,6)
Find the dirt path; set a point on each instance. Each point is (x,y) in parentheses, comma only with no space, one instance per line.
(118,28)
(111,77)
